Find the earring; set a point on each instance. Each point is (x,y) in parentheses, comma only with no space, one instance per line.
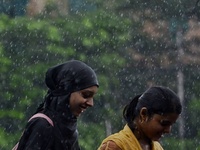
(142,120)
(137,132)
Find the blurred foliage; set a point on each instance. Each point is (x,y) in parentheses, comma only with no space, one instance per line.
(13,7)
(30,46)
(109,36)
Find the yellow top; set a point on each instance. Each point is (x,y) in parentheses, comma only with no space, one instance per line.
(126,140)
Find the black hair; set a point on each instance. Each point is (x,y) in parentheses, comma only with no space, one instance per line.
(157,100)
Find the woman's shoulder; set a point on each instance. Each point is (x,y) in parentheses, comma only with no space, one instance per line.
(109,145)
(41,116)
(38,133)
(157,146)
(40,124)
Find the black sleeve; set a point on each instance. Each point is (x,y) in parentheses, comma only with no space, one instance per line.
(38,135)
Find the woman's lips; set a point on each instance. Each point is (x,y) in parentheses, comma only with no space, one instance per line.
(82,109)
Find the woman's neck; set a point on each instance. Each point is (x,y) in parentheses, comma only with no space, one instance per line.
(144,141)
(145,145)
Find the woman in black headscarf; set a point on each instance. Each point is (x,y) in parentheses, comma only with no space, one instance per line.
(72,86)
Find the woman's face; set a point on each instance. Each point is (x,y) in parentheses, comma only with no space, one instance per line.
(81,100)
(155,127)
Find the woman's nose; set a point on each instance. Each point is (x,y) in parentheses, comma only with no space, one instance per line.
(167,129)
(90,102)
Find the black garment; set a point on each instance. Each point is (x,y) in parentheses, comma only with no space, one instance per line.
(38,135)
(61,80)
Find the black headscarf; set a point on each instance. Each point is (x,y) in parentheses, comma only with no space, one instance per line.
(62,80)
(69,77)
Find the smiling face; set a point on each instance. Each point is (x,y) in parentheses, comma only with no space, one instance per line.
(154,127)
(81,100)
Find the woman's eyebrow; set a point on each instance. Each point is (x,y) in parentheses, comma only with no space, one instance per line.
(89,91)
(167,121)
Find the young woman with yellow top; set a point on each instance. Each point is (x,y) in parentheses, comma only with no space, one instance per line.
(148,117)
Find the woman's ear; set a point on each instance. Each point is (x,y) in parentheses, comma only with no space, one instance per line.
(143,114)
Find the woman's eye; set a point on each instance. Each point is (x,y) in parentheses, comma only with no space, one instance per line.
(165,123)
(87,95)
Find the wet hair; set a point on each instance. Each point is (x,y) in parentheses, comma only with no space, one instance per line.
(157,100)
